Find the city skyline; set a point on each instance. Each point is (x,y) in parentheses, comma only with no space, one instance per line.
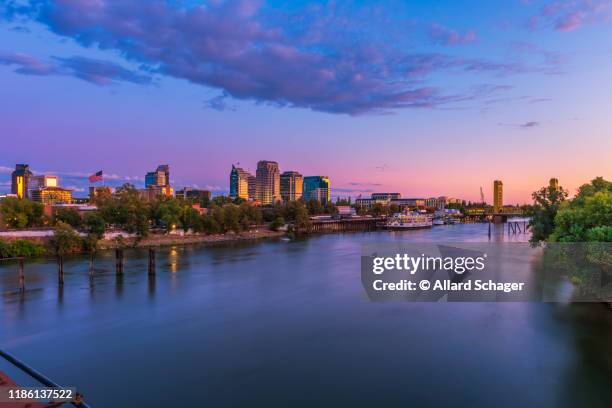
(267,187)
(422,100)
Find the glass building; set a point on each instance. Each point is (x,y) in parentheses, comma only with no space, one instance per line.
(317,188)
(159,177)
(239,183)
(291,185)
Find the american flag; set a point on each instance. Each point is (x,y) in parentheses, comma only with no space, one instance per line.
(96,177)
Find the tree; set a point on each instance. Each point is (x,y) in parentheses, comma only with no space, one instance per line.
(166,213)
(21,213)
(330,208)
(587,217)
(65,239)
(95,224)
(378,209)
(547,201)
(297,213)
(277,223)
(249,215)
(220,201)
(314,207)
(69,216)
(231,217)
(127,209)
(190,219)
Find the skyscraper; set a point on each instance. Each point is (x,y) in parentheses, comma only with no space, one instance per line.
(239,183)
(158,182)
(317,188)
(291,185)
(252,187)
(498,196)
(159,177)
(267,183)
(20,178)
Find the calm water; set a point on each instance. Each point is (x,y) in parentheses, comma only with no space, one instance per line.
(287,324)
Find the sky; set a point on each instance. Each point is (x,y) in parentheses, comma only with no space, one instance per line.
(425,98)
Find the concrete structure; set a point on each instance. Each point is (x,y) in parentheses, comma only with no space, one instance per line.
(267,182)
(291,185)
(498,196)
(317,188)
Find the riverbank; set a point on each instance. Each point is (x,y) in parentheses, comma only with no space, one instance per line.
(152,240)
(161,240)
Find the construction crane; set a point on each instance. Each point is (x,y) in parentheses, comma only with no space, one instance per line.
(482,200)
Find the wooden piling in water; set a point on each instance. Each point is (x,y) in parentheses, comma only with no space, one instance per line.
(21,275)
(91,264)
(151,261)
(119,261)
(60,266)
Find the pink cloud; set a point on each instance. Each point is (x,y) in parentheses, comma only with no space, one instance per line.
(445,36)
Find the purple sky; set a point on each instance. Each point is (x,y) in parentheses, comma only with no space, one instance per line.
(424,98)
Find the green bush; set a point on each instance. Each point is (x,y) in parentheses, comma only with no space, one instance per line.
(277,223)
(21,248)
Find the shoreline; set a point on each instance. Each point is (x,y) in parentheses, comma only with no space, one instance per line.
(158,240)
(155,241)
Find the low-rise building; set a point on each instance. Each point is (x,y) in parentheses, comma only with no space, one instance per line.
(386,196)
(346,211)
(51,195)
(151,193)
(193,193)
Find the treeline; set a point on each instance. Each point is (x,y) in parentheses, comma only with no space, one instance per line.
(21,248)
(128,211)
(585,218)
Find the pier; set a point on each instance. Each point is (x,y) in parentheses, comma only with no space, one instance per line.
(346,224)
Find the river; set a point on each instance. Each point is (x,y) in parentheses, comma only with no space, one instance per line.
(277,323)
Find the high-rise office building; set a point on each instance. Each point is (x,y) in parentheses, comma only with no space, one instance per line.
(498,196)
(159,177)
(239,183)
(291,185)
(20,179)
(267,183)
(158,182)
(317,188)
(252,187)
